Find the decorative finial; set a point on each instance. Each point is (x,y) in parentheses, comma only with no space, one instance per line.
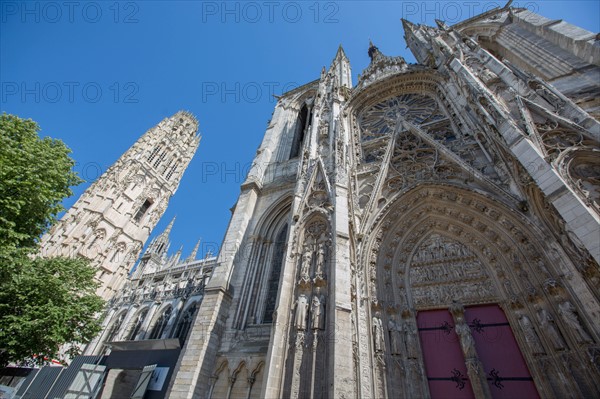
(441,24)
(341,54)
(195,251)
(170,226)
(373,50)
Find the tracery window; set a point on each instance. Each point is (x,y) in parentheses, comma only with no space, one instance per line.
(114,329)
(138,325)
(154,153)
(171,170)
(273,283)
(161,324)
(380,119)
(160,158)
(183,327)
(99,235)
(301,125)
(117,255)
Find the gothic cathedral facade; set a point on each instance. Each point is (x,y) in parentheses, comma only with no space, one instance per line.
(111,221)
(432,230)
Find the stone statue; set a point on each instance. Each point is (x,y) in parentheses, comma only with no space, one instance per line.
(320,260)
(318,313)
(410,335)
(547,95)
(395,339)
(301,312)
(127,290)
(549,328)
(306,263)
(567,312)
(466,339)
(300,339)
(378,333)
(531,336)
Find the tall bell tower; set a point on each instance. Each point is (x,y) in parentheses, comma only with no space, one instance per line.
(113,218)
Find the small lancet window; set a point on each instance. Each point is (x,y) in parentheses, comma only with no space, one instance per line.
(160,158)
(273,283)
(116,256)
(172,170)
(301,125)
(143,209)
(154,153)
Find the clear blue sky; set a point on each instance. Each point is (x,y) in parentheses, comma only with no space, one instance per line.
(219,60)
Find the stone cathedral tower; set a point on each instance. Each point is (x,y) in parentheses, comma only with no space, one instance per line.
(432,230)
(113,218)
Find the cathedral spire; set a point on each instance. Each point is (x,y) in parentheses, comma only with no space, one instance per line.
(168,229)
(160,244)
(441,24)
(408,26)
(177,257)
(418,39)
(194,251)
(340,55)
(340,66)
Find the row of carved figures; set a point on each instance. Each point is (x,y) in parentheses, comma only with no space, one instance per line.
(316,309)
(547,324)
(396,329)
(307,261)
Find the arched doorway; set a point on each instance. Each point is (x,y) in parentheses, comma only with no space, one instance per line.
(464,298)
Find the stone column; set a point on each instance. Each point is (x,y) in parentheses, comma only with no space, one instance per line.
(475,369)
(341,360)
(192,372)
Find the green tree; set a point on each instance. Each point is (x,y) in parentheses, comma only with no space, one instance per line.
(44,303)
(35,176)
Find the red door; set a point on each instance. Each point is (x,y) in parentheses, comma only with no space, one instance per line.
(507,373)
(444,360)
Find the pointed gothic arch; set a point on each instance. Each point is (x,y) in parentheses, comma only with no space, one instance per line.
(255,379)
(115,326)
(266,253)
(436,246)
(186,318)
(219,380)
(300,127)
(238,381)
(279,247)
(137,322)
(161,322)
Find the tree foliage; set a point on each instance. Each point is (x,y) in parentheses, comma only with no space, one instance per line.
(35,176)
(44,303)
